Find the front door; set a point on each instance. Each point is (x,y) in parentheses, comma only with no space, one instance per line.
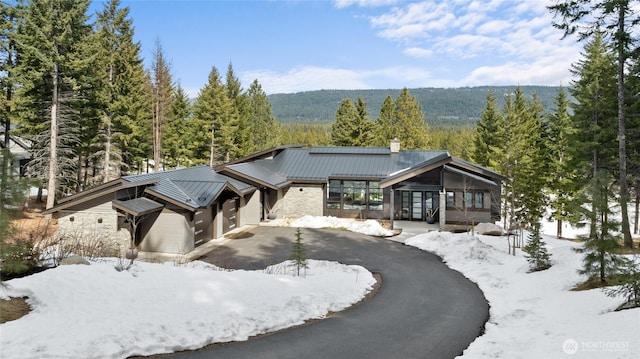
(416,206)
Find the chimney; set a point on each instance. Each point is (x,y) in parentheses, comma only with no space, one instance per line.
(395,145)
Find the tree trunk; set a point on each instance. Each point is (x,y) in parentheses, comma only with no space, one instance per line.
(635,224)
(53,145)
(622,151)
(211,147)
(559,228)
(107,153)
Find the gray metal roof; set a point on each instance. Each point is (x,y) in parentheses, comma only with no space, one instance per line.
(137,206)
(323,163)
(192,187)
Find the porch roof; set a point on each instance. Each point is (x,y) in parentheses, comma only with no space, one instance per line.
(137,206)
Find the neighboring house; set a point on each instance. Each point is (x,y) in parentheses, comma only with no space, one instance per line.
(19,149)
(174,211)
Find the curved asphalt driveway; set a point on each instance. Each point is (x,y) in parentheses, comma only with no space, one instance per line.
(422,310)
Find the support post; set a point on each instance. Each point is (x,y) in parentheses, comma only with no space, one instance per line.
(442,215)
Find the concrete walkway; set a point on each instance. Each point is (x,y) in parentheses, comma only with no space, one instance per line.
(422,309)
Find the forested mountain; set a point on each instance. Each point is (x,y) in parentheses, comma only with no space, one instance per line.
(441,106)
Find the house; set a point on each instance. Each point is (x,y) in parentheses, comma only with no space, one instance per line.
(19,149)
(170,212)
(175,211)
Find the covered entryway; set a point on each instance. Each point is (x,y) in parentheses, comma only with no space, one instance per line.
(417,205)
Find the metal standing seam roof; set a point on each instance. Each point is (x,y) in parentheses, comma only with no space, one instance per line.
(137,206)
(323,163)
(192,187)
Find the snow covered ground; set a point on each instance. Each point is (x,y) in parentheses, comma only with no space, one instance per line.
(536,315)
(96,311)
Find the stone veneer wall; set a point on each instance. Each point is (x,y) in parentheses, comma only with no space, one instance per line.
(303,200)
(99,222)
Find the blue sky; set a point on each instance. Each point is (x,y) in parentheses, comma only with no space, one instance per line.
(293,46)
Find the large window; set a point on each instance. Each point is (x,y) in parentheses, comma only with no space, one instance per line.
(354,195)
(478,201)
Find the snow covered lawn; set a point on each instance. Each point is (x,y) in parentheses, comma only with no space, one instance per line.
(536,315)
(94,311)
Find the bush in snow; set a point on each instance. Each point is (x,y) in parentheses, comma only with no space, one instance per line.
(536,249)
(298,254)
(629,283)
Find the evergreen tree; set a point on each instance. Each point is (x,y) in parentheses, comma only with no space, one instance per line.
(487,132)
(242,129)
(627,282)
(384,129)
(265,131)
(409,123)
(121,95)
(615,19)
(561,175)
(633,144)
(53,35)
(599,261)
(298,253)
(215,116)
(162,95)
(177,140)
(593,143)
(344,131)
(537,254)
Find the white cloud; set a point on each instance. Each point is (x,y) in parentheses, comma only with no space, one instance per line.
(312,77)
(545,71)
(418,52)
(340,4)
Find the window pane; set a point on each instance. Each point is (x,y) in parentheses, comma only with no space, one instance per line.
(354,193)
(468,199)
(479,200)
(375,197)
(334,194)
(451,203)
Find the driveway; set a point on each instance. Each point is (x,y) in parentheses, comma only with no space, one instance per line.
(422,310)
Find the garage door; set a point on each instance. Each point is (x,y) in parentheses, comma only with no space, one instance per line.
(203,225)
(229,214)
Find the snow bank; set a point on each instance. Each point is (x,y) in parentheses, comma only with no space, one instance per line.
(536,315)
(370,226)
(95,311)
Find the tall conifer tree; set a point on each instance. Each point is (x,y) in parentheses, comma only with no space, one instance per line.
(409,123)
(52,46)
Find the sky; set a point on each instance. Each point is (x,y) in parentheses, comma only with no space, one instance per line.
(294,46)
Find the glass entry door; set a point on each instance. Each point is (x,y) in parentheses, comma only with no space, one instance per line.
(416,206)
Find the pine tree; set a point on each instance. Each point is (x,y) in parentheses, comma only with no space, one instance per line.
(537,254)
(344,130)
(121,94)
(627,282)
(162,95)
(298,253)
(599,261)
(615,19)
(52,42)
(593,143)
(176,144)
(562,176)
(213,111)
(265,131)
(409,123)
(384,125)
(487,132)
(240,107)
